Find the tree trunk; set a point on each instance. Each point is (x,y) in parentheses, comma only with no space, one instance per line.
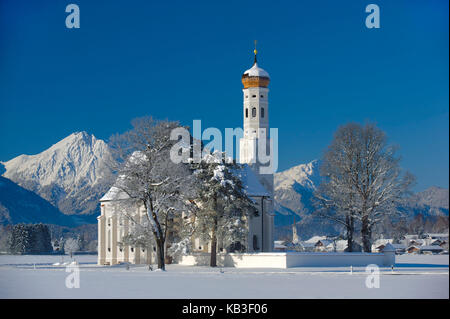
(213,261)
(350,230)
(160,254)
(366,235)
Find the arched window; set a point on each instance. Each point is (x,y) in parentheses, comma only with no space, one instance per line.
(246,112)
(254,112)
(262,112)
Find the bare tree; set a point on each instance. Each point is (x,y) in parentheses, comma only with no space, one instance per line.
(148,177)
(71,245)
(363,179)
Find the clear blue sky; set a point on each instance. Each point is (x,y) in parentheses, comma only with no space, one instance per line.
(183,60)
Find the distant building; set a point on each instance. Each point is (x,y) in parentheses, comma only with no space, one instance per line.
(440,236)
(432,249)
(413,250)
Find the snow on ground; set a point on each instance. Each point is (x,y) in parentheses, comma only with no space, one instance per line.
(37,277)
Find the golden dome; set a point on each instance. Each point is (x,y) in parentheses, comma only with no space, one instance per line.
(255,77)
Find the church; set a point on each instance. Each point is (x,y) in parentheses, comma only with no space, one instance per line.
(112,226)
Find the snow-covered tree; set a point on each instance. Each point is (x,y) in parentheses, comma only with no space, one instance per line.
(20,240)
(363,179)
(224,204)
(29,238)
(148,177)
(71,245)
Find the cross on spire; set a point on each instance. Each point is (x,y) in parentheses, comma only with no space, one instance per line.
(255,51)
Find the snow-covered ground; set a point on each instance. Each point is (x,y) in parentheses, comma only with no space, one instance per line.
(37,277)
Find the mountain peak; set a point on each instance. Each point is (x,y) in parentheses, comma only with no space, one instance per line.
(433,196)
(306,175)
(65,169)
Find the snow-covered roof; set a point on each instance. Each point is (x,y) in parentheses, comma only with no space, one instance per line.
(114,193)
(441,235)
(315,239)
(325,242)
(255,70)
(250,182)
(382,241)
(388,247)
(399,246)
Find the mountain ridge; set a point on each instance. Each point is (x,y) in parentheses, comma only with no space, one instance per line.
(19,205)
(70,174)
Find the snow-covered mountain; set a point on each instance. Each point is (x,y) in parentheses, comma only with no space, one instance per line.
(293,188)
(293,192)
(72,174)
(431,202)
(19,205)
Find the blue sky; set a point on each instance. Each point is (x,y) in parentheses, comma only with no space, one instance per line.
(183,60)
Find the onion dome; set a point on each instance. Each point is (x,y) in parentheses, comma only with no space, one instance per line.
(255,76)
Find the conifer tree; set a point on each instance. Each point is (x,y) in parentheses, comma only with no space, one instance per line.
(224,204)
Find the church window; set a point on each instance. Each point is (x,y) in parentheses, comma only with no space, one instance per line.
(253,95)
(262,112)
(254,112)
(246,96)
(262,96)
(132,249)
(143,250)
(246,112)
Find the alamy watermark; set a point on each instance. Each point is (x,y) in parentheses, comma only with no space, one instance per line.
(373,19)
(73,279)
(73,19)
(256,147)
(373,279)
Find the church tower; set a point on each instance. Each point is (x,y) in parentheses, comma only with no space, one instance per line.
(256,120)
(256,133)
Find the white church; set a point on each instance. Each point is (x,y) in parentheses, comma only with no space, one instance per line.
(112,225)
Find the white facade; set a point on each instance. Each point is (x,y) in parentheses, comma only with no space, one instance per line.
(112,227)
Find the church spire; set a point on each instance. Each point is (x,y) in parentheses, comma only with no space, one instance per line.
(256,52)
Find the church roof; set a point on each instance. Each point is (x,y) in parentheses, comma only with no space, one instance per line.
(114,193)
(250,182)
(255,70)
